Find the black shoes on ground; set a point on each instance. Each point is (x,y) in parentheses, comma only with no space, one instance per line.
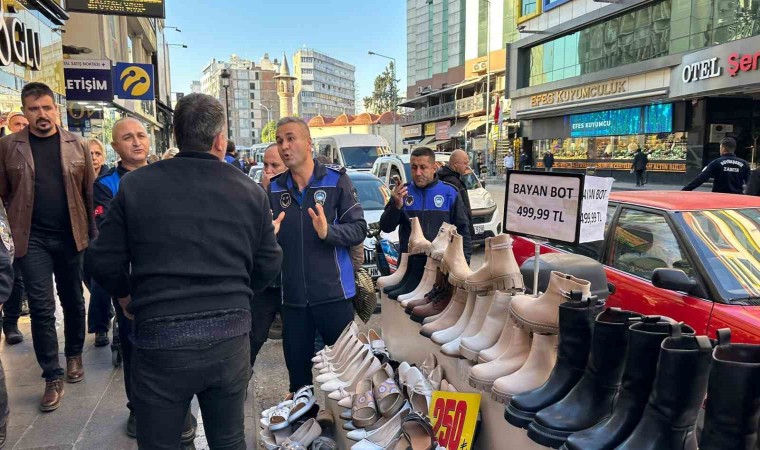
(101,339)
(12,334)
(188,433)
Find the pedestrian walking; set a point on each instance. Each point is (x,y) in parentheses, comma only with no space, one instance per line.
(409,201)
(640,161)
(231,157)
(318,213)
(49,177)
(98,151)
(753,185)
(548,161)
(6,286)
(452,173)
(524,160)
(509,162)
(184,265)
(729,172)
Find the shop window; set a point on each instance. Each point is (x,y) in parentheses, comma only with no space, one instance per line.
(644,241)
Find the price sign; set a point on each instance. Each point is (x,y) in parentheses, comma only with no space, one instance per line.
(544,205)
(596,196)
(454,416)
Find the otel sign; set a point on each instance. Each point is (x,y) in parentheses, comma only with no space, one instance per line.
(18,43)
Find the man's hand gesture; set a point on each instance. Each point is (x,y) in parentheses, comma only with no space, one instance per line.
(276,222)
(319,221)
(398,194)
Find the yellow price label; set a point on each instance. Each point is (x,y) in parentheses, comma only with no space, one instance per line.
(454,416)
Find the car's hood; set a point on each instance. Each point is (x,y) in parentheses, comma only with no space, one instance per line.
(479,198)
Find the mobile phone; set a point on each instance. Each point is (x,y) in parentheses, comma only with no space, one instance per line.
(396,180)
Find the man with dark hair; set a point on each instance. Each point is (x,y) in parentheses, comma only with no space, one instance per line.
(640,161)
(548,160)
(47,178)
(432,201)
(729,172)
(231,156)
(176,263)
(317,290)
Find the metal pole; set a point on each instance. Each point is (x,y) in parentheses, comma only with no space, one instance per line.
(227,107)
(395,101)
(488,83)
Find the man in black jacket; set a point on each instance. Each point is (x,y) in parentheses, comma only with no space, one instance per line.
(185,244)
(319,218)
(548,161)
(6,286)
(729,172)
(640,161)
(458,166)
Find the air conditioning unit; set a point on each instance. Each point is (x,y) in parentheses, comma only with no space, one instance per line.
(719,131)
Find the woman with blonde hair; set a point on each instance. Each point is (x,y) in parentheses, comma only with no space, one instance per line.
(98,152)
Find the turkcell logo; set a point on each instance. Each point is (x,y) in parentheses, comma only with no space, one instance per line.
(134,81)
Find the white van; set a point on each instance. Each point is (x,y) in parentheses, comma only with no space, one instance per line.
(352,151)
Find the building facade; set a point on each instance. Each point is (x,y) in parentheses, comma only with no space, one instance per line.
(670,77)
(251,98)
(323,85)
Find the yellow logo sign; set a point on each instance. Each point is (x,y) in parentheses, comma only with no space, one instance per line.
(134,81)
(453,416)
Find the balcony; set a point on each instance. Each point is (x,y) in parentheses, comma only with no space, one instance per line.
(462,107)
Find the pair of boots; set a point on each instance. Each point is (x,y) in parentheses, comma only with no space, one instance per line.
(499,270)
(12,334)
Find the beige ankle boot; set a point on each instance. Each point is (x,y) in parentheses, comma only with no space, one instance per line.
(425,284)
(500,271)
(451,333)
(396,276)
(490,331)
(482,304)
(441,241)
(501,345)
(482,376)
(454,263)
(417,241)
(450,315)
(533,374)
(541,314)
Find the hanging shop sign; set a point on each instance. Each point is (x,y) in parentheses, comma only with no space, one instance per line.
(442,131)
(134,81)
(412,131)
(88,80)
(593,91)
(18,43)
(545,206)
(430,129)
(454,416)
(142,8)
(596,196)
(606,164)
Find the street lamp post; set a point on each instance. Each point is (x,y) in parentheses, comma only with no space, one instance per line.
(395,100)
(269,118)
(488,84)
(225,76)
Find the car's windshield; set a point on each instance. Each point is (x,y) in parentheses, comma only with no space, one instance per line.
(373,194)
(470,181)
(360,157)
(728,244)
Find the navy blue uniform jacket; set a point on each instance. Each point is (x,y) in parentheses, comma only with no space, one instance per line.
(729,173)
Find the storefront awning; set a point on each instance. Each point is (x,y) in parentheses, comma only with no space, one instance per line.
(464,83)
(475,123)
(456,129)
(431,141)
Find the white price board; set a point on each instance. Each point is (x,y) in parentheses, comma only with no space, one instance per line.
(596,196)
(544,205)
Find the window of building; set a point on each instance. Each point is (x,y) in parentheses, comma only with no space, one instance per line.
(253,96)
(527,9)
(644,241)
(253,85)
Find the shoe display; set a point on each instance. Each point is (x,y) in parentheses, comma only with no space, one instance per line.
(305,434)
(303,400)
(591,400)
(441,241)
(576,323)
(669,419)
(101,339)
(417,241)
(500,270)
(500,346)
(396,276)
(491,328)
(74,369)
(541,314)
(384,436)
(51,399)
(449,334)
(733,396)
(418,432)
(482,305)
(449,316)
(416,270)
(436,306)
(534,373)
(405,277)
(330,352)
(363,409)
(482,376)
(454,263)
(350,379)
(427,282)
(387,393)
(644,341)
(12,334)
(336,371)
(354,345)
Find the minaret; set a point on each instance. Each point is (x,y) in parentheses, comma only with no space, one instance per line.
(285,88)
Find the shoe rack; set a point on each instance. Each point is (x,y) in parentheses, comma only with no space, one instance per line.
(404,342)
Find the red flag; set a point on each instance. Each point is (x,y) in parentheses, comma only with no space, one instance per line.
(497,111)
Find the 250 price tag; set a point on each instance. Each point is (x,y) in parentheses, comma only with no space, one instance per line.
(454,416)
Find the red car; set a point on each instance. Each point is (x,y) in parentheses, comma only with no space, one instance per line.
(692,256)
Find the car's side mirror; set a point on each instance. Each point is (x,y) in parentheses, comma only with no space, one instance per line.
(673,280)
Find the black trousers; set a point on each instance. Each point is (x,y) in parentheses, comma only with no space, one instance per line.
(125,331)
(5,411)
(46,256)
(99,312)
(164,382)
(639,178)
(299,326)
(264,307)
(12,306)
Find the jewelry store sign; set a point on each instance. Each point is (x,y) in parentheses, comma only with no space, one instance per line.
(589,92)
(18,43)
